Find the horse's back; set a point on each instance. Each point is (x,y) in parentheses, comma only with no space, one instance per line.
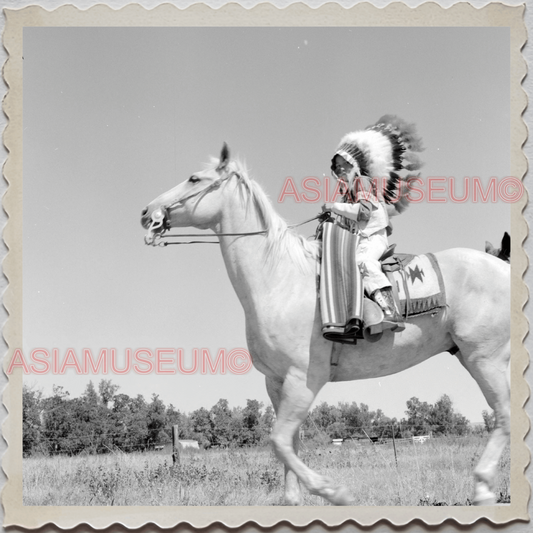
(473,270)
(478,293)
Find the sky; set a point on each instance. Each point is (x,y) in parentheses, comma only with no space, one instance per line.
(113,117)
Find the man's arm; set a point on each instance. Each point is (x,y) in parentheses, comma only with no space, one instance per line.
(360,211)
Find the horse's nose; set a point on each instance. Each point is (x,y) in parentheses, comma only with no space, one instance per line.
(145,220)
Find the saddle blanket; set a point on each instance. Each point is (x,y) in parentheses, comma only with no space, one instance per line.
(418,286)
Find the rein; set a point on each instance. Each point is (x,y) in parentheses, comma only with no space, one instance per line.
(160,242)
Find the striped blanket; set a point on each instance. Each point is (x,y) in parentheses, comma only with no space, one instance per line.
(417,285)
(341,284)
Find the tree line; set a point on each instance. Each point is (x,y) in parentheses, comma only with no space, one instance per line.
(103,420)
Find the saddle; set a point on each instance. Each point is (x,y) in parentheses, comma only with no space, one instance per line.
(347,314)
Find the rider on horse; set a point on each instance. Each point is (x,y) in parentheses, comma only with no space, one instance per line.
(361,161)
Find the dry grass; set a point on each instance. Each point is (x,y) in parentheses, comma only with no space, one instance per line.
(438,472)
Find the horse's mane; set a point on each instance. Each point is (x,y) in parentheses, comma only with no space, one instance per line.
(282,241)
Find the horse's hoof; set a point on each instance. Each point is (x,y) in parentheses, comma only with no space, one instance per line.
(484,497)
(341,496)
(489,500)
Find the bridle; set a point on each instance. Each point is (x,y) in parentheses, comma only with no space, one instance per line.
(160,223)
(160,216)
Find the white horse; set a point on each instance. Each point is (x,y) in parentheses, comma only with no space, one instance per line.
(273,271)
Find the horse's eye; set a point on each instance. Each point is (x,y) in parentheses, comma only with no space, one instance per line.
(194,179)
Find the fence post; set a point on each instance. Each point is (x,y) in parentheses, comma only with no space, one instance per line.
(371,441)
(394,446)
(175,445)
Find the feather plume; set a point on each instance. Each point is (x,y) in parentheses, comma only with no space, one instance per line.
(387,149)
(405,142)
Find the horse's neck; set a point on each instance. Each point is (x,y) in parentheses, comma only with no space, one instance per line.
(246,257)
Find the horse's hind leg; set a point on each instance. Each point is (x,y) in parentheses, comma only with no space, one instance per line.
(296,396)
(490,372)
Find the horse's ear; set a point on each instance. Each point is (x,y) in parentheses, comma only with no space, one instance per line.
(224,157)
(506,243)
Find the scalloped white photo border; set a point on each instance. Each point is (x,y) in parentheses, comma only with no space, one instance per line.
(397,14)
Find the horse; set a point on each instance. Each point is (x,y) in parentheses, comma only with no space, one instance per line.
(273,270)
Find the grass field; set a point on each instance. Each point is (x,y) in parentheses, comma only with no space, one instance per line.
(437,472)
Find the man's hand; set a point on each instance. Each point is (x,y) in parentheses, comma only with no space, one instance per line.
(326,213)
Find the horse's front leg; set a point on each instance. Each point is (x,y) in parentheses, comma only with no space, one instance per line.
(297,394)
(293,492)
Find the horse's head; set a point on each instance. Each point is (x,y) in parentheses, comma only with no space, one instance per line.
(193,202)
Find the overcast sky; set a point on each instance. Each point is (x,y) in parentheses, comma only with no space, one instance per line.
(113,117)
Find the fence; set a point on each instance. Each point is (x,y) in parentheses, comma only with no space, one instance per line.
(111,442)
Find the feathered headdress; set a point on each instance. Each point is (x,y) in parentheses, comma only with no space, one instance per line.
(385,150)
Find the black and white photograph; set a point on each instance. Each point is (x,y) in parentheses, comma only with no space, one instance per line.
(270,265)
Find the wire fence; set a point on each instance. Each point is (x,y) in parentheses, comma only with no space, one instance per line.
(117,442)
